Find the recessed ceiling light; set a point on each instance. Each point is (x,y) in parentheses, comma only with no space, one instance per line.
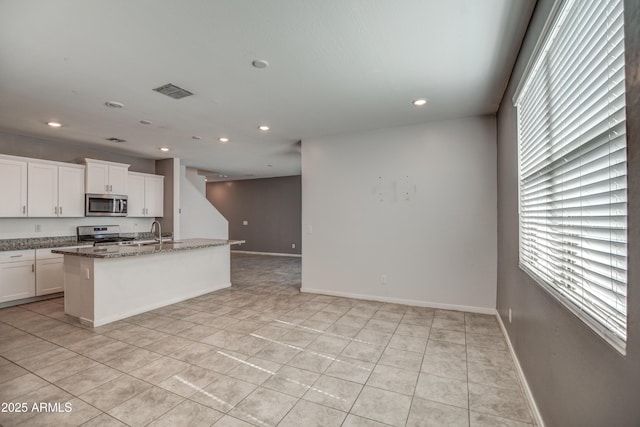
(264,128)
(223,139)
(260,63)
(419,102)
(54,124)
(164,149)
(114,104)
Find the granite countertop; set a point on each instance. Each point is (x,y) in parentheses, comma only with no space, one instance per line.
(118,251)
(60,241)
(37,243)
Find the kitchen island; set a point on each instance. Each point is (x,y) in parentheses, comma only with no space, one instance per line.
(108,283)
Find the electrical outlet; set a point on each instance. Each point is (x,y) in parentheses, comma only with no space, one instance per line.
(383,279)
(509,315)
(293,246)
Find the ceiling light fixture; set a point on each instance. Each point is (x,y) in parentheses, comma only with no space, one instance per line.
(264,128)
(164,149)
(419,102)
(54,124)
(223,139)
(260,63)
(114,104)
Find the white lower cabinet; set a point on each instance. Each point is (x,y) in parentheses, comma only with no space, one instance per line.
(29,273)
(17,275)
(50,271)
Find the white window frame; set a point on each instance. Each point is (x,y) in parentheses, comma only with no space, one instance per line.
(548,34)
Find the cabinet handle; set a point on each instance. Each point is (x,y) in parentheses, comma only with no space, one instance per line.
(60,210)
(15,256)
(33,268)
(24,209)
(55,210)
(110,187)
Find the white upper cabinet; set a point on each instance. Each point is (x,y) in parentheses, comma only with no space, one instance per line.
(146,195)
(135,201)
(42,190)
(106,177)
(154,195)
(55,191)
(71,191)
(13,188)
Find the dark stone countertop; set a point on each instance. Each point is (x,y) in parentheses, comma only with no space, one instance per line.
(37,243)
(60,241)
(118,251)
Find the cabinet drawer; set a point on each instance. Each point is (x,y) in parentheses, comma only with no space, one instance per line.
(17,256)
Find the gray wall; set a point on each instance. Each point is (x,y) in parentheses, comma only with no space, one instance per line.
(24,146)
(577,379)
(271,205)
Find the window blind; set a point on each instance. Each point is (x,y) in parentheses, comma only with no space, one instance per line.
(572,165)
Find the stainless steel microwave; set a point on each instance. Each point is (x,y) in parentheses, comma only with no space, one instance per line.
(105,205)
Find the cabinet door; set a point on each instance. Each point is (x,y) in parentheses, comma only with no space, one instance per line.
(118,177)
(97,178)
(17,280)
(13,190)
(42,194)
(70,192)
(135,193)
(49,276)
(154,195)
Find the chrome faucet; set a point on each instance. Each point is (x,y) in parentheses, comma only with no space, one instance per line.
(158,227)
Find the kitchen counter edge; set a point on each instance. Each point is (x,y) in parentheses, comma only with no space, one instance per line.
(116,251)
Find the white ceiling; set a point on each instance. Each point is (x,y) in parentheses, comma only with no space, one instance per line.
(336,66)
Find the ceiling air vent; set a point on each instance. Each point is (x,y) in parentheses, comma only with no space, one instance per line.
(173,91)
(118,140)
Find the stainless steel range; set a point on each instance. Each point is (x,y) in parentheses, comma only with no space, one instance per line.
(101,235)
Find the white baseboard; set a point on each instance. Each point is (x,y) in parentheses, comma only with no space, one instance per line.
(523,380)
(416,303)
(267,253)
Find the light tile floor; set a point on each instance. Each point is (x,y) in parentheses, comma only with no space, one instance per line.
(260,353)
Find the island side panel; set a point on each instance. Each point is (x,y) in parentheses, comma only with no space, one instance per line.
(78,288)
(126,286)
